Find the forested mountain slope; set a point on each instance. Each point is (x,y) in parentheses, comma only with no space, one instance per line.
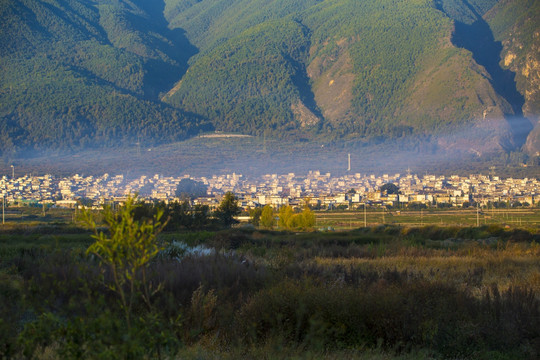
(82,72)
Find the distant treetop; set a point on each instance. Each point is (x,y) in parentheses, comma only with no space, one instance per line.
(389,188)
(190,189)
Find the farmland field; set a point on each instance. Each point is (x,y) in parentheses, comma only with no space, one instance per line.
(346,220)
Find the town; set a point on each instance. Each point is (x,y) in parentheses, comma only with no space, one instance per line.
(322,190)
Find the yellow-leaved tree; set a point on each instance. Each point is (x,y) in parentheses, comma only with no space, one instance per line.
(267,217)
(290,220)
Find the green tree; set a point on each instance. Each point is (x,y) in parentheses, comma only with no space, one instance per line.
(308,218)
(190,189)
(390,188)
(267,217)
(255,216)
(227,210)
(289,220)
(285,215)
(126,249)
(304,220)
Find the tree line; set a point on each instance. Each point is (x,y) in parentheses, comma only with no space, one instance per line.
(183,215)
(286,218)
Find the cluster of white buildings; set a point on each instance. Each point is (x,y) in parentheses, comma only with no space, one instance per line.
(347,191)
(353,190)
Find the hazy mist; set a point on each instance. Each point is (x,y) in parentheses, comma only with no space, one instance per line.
(476,147)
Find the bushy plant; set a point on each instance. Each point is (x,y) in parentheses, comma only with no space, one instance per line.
(10,310)
(267,217)
(126,251)
(101,333)
(288,219)
(400,316)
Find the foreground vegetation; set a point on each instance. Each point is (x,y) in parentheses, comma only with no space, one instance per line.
(385,291)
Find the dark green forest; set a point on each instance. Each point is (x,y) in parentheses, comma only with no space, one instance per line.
(81,74)
(92,73)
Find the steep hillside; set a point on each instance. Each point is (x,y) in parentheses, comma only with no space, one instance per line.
(254,82)
(86,73)
(211,22)
(394,65)
(374,68)
(77,73)
(515,24)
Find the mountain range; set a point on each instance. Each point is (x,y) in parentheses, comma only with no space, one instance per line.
(92,73)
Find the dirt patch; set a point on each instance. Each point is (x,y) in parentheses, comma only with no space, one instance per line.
(303,115)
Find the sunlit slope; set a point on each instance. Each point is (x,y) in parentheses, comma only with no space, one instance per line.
(211,22)
(395,64)
(366,68)
(79,73)
(252,82)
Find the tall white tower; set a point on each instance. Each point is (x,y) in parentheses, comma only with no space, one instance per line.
(349,168)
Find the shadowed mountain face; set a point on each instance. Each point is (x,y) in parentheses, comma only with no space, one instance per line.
(515,24)
(89,73)
(472,32)
(478,39)
(169,49)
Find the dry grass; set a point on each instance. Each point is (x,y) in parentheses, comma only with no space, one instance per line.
(474,267)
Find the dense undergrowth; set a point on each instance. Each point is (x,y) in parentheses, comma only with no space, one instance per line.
(379,292)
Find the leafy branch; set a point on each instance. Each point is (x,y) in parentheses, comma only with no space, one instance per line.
(126,249)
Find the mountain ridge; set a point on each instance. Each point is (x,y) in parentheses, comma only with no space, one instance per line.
(87,73)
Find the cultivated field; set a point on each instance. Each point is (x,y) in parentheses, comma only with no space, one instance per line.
(346,220)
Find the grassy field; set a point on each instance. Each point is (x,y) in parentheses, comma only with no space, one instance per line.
(35,216)
(339,220)
(411,289)
(346,220)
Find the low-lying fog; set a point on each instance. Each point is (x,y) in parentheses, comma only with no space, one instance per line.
(473,149)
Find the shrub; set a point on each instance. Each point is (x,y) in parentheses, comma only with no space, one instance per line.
(10,311)
(126,251)
(402,316)
(100,334)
